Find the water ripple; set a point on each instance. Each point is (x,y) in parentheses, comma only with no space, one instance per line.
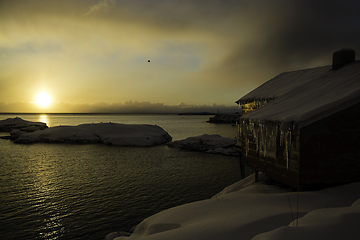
(86,191)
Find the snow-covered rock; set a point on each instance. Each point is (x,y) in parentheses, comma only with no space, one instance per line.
(10,124)
(248,210)
(107,133)
(14,134)
(208,143)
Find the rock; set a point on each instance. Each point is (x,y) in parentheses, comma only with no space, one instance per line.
(225,118)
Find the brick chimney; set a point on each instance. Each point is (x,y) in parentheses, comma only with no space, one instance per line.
(342,57)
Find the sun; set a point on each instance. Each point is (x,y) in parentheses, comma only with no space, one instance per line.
(43,99)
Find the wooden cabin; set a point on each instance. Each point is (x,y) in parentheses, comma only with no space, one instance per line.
(302,128)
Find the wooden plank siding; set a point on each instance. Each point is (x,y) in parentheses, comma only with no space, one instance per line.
(330,149)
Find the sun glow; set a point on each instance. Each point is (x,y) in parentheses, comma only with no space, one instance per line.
(43,99)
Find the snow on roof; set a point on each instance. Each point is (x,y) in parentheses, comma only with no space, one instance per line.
(305,96)
(107,133)
(250,210)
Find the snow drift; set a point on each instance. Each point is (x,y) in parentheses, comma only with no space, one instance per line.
(107,133)
(249,210)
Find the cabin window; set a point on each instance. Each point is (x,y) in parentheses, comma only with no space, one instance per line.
(251,106)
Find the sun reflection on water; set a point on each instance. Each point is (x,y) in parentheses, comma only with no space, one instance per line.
(46,199)
(43,118)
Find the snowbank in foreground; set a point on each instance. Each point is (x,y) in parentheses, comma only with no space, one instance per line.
(208,143)
(10,124)
(249,210)
(107,133)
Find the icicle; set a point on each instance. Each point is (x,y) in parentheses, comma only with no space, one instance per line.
(239,129)
(247,147)
(277,132)
(289,150)
(256,131)
(264,135)
(253,133)
(244,135)
(262,140)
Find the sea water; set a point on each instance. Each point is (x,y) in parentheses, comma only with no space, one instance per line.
(85,191)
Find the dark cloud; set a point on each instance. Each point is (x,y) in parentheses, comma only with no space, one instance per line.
(267,37)
(295,35)
(316,29)
(201,51)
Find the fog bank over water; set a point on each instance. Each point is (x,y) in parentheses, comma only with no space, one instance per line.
(126,107)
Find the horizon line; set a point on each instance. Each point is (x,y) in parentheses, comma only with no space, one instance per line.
(187,112)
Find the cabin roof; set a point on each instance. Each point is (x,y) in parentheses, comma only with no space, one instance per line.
(304,96)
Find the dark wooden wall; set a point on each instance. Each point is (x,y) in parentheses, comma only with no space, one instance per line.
(330,149)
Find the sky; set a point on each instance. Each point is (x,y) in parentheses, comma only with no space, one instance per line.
(92,55)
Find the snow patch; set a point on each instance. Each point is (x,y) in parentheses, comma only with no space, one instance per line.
(326,223)
(207,143)
(107,133)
